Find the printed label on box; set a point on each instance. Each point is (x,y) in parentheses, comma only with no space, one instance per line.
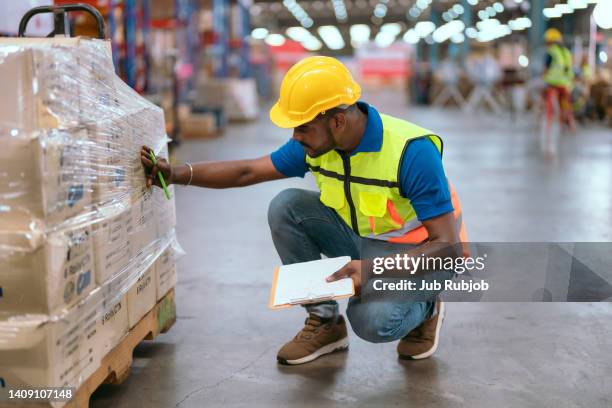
(141,297)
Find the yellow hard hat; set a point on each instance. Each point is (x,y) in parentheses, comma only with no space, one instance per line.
(553,35)
(310,87)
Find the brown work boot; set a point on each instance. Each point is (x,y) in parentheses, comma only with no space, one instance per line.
(423,341)
(314,340)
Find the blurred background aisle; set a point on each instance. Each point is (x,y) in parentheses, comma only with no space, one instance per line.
(210,63)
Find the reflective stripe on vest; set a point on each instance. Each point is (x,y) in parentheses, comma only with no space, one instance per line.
(364,189)
(560,72)
(419,234)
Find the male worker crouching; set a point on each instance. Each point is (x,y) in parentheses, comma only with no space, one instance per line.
(381,183)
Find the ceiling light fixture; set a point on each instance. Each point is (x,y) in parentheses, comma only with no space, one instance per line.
(411,36)
(340,10)
(551,13)
(312,43)
(360,34)
(564,8)
(299,13)
(380,10)
(602,14)
(259,33)
(457,38)
(446,31)
(384,39)
(471,32)
(275,40)
(424,28)
(577,4)
(331,37)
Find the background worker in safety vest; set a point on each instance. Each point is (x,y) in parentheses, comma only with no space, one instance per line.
(381,183)
(558,76)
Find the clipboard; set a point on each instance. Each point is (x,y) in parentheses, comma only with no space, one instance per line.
(304,282)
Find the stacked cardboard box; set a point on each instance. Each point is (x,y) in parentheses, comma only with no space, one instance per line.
(85,249)
(238,97)
(55,275)
(66,351)
(198,126)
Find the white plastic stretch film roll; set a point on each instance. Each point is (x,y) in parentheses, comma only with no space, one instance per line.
(78,227)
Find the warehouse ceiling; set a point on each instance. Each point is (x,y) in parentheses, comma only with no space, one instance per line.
(373,12)
(275,17)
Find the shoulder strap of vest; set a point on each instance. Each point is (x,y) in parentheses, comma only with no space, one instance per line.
(409,132)
(406,129)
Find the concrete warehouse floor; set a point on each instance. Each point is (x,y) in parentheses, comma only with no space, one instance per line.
(222,350)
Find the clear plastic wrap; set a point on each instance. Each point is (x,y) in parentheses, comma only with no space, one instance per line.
(78,228)
(71,134)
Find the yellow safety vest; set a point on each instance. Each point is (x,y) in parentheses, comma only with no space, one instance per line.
(364,189)
(560,72)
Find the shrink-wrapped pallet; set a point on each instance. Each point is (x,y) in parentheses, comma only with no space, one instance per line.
(79,231)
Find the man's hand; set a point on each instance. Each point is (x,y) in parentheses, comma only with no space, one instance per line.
(151,170)
(350,270)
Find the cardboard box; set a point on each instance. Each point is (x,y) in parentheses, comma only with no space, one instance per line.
(142,230)
(42,87)
(242,104)
(142,296)
(50,84)
(113,324)
(120,239)
(19,108)
(164,211)
(211,92)
(198,126)
(91,343)
(116,156)
(52,353)
(52,277)
(65,351)
(238,97)
(108,162)
(45,177)
(18,232)
(165,271)
(111,245)
(162,10)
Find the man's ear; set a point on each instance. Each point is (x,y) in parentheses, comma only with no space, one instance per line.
(339,121)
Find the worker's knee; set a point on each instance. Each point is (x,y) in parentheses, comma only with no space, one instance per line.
(371,322)
(382,322)
(283,205)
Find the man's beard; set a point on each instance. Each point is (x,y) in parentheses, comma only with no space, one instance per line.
(330,146)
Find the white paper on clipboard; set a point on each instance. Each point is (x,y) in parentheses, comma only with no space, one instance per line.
(304,282)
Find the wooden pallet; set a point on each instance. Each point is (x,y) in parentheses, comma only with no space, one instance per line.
(115,366)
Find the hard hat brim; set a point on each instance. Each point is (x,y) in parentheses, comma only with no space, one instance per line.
(278,117)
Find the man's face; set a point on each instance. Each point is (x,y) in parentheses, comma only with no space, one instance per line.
(316,136)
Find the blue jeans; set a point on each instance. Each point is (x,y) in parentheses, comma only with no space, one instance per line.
(303,229)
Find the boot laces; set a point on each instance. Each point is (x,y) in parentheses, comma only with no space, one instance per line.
(310,326)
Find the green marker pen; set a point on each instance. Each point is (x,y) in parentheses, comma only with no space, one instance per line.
(161,176)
